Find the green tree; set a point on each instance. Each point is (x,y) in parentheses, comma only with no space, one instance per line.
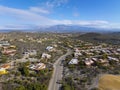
(105,56)
(68,87)
(24,71)
(20,88)
(36,86)
(3,59)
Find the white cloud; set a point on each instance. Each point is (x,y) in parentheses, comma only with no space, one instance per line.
(39,10)
(92,23)
(55,3)
(66,22)
(31,16)
(25,15)
(60,2)
(76,14)
(18,27)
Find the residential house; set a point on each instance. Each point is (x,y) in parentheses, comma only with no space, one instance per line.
(9,52)
(103,61)
(38,66)
(5,66)
(118,50)
(111,58)
(76,54)
(3,71)
(4,43)
(49,48)
(89,53)
(73,61)
(12,46)
(30,53)
(45,55)
(94,59)
(88,62)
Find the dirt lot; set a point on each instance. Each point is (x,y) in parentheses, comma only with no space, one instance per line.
(109,82)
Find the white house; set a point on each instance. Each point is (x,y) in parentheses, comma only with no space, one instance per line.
(73,61)
(4,43)
(118,50)
(111,58)
(32,67)
(88,62)
(49,48)
(94,59)
(45,55)
(76,54)
(38,66)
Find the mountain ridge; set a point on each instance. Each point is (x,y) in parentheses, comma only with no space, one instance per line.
(63,28)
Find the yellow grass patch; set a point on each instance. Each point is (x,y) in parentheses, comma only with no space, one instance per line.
(109,82)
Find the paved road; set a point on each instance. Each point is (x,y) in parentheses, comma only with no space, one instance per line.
(58,72)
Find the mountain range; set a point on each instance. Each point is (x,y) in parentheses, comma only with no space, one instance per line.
(63,29)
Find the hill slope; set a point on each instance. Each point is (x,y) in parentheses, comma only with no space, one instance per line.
(112,38)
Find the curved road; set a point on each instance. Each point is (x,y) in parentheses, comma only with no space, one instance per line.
(58,72)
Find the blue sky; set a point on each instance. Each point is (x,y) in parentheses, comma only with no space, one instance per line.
(31,13)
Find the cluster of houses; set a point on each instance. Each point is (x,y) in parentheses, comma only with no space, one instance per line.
(105,62)
(106,50)
(95,55)
(96,50)
(4,43)
(45,55)
(76,55)
(7,48)
(91,61)
(98,58)
(29,53)
(40,40)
